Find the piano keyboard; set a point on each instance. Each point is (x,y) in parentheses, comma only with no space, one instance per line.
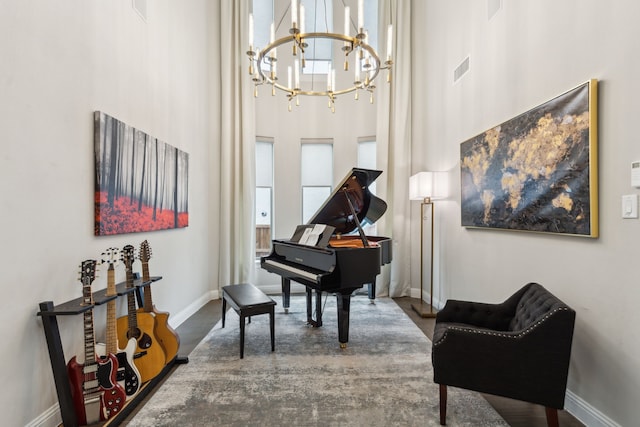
(300,272)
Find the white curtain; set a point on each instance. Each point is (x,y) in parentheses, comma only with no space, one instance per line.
(394,138)
(236,139)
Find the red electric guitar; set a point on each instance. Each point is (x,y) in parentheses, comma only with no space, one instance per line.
(149,353)
(169,339)
(128,376)
(95,391)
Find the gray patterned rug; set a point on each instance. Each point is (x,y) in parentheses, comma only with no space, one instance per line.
(383,378)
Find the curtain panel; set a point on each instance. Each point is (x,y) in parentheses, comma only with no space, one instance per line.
(394,138)
(236,140)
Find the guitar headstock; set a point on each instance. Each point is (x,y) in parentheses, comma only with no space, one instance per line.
(87,276)
(88,271)
(145,251)
(111,256)
(128,255)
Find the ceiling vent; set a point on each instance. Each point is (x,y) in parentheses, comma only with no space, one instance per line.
(140,6)
(493,6)
(461,70)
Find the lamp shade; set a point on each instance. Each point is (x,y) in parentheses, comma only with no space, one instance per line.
(427,184)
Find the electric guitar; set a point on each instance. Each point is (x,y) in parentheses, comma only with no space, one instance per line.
(128,376)
(150,356)
(169,339)
(96,396)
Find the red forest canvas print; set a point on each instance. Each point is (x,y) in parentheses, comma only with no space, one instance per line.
(141,183)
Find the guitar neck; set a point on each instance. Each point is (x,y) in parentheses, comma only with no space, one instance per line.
(148,300)
(145,271)
(131,304)
(89,339)
(111,334)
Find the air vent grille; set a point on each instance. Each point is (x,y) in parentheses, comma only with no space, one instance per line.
(140,6)
(461,70)
(493,6)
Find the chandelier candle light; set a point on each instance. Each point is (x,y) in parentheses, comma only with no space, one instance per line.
(366,61)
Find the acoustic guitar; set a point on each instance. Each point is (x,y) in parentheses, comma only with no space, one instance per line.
(168,337)
(95,391)
(149,357)
(128,376)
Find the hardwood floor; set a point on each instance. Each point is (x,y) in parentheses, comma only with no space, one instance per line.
(516,413)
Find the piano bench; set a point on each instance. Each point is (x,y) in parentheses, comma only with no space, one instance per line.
(247,301)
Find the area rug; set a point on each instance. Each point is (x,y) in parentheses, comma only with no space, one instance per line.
(383,378)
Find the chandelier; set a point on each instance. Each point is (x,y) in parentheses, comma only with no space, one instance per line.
(366,61)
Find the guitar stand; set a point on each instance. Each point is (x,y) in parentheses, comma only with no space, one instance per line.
(48,312)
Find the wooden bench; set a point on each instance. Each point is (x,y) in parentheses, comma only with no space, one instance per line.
(247,301)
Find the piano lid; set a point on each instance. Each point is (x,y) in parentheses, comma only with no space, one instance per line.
(336,211)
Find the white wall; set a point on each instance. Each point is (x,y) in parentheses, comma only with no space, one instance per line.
(528,53)
(60,62)
(63,60)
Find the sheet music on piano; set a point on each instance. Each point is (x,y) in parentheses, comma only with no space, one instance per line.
(313,235)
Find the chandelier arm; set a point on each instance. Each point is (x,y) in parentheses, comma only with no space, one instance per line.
(298,40)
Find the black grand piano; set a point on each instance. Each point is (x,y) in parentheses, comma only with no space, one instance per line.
(330,259)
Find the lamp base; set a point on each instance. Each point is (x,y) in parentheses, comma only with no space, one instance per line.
(424,310)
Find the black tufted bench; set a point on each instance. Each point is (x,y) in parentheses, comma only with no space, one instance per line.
(518,349)
(247,301)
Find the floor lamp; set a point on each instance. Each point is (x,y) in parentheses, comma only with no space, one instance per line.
(421,187)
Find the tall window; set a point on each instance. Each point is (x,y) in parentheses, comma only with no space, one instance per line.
(318,19)
(263,16)
(264,195)
(317,175)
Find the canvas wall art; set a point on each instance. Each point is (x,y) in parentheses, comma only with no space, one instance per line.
(141,183)
(538,171)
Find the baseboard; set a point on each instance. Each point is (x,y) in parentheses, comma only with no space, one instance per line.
(574,405)
(49,418)
(585,413)
(437,304)
(52,416)
(177,319)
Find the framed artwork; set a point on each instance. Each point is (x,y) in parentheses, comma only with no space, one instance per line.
(538,171)
(141,184)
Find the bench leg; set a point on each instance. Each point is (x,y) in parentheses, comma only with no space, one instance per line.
(272,327)
(241,336)
(224,309)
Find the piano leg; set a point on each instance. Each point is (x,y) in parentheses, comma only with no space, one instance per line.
(344,303)
(372,293)
(318,320)
(286,294)
(309,312)
(318,308)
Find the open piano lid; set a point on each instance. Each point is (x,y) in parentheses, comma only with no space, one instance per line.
(336,211)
